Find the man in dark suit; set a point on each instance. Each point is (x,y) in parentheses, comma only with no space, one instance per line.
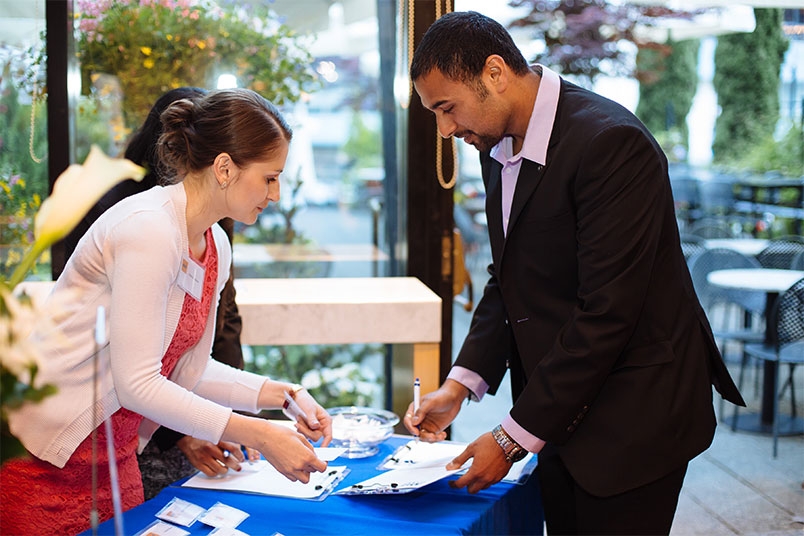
(589,303)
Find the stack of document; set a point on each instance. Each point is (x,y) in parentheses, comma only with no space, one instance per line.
(262,478)
(416,464)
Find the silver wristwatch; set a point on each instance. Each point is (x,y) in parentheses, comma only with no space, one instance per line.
(512,450)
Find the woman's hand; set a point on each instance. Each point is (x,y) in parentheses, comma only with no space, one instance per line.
(209,458)
(318,423)
(253,455)
(289,452)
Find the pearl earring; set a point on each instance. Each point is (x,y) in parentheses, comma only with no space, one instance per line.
(224,184)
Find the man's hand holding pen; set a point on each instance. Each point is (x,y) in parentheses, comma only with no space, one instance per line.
(436,411)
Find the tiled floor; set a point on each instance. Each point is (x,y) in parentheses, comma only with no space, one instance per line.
(735,487)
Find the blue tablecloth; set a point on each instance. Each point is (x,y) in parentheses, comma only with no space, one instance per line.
(434,509)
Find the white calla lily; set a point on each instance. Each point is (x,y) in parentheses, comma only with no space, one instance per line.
(74,193)
(77,189)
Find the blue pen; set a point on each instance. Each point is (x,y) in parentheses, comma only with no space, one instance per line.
(245,454)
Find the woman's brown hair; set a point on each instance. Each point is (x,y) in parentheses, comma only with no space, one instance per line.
(235,121)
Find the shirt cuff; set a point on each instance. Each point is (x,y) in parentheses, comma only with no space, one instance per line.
(525,439)
(471,380)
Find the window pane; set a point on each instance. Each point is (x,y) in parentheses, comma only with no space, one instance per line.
(319,62)
(23,134)
(329,220)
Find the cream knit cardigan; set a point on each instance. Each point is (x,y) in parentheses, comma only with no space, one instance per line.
(129,262)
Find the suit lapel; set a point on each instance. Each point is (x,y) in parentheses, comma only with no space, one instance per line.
(492,172)
(530,175)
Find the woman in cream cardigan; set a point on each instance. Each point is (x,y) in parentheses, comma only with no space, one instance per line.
(157,262)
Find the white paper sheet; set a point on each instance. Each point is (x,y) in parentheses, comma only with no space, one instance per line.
(398,481)
(260,477)
(420,454)
(328,454)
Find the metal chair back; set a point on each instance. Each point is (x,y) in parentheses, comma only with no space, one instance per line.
(721,259)
(798,262)
(711,228)
(786,323)
(780,253)
(691,245)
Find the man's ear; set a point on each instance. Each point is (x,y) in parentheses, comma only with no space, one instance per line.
(496,73)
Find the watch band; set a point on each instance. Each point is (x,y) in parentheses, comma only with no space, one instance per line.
(512,450)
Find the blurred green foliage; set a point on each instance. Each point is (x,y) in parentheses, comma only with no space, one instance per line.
(338,375)
(666,89)
(747,67)
(153,47)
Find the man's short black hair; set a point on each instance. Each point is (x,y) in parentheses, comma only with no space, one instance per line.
(458,44)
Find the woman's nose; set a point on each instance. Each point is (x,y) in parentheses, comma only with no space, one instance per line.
(273,192)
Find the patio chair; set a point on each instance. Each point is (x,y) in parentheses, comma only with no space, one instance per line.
(711,295)
(691,245)
(798,262)
(748,304)
(780,252)
(786,326)
(711,228)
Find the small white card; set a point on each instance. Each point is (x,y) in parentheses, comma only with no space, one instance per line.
(228,531)
(191,277)
(160,528)
(222,515)
(180,512)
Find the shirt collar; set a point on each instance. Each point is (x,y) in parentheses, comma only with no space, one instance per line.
(537,137)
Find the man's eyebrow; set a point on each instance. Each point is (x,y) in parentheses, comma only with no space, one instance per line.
(436,105)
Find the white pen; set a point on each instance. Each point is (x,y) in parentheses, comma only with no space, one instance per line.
(416,394)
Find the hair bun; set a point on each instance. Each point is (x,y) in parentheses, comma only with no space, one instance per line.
(179,114)
(175,144)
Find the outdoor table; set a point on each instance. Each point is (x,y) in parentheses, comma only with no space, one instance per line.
(746,246)
(434,509)
(771,282)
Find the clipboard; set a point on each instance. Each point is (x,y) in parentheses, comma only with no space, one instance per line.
(420,454)
(261,478)
(398,481)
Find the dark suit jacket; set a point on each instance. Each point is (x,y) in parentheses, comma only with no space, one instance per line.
(591,304)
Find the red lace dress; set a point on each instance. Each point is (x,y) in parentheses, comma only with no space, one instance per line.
(37,497)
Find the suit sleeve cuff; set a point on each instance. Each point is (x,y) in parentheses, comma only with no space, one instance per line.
(525,439)
(471,380)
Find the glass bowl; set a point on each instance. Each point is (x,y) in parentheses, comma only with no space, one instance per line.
(359,430)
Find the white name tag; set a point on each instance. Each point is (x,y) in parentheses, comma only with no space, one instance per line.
(191,277)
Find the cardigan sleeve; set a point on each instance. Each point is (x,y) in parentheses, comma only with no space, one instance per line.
(142,265)
(237,389)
